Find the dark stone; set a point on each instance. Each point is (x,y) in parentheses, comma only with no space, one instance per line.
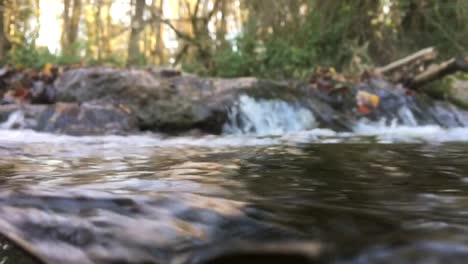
(14,116)
(86,119)
(42,93)
(172,105)
(70,118)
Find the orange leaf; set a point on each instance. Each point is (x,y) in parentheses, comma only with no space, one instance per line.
(47,71)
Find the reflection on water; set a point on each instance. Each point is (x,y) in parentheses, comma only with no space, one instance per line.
(11,254)
(106,201)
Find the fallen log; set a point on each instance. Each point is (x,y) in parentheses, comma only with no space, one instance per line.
(416,70)
(436,72)
(402,70)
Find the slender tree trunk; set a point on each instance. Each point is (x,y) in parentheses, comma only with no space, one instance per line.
(159,46)
(136,28)
(37,14)
(74,24)
(221,29)
(90,30)
(99,29)
(65,21)
(71,22)
(4,43)
(106,40)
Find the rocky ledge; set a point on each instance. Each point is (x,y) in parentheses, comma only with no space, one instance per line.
(96,101)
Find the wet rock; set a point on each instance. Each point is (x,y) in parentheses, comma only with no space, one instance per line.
(300,252)
(15,116)
(16,96)
(42,93)
(415,253)
(71,226)
(458,92)
(69,118)
(86,119)
(410,108)
(169,104)
(176,103)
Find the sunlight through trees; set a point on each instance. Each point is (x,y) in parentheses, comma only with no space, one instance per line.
(284,38)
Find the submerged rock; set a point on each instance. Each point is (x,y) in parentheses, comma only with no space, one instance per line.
(299,252)
(79,226)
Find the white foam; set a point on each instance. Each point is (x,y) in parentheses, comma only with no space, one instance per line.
(253,123)
(15,120)
(407,116)
(404,133)
(267,117)
(145,143)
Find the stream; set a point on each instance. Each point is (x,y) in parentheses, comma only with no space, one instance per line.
(272,189)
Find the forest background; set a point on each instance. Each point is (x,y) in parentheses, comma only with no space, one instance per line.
(278,39)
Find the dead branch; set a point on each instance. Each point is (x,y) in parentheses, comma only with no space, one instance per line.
(420,57)
(414,70)
(439,71)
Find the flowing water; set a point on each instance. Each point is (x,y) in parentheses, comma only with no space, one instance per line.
(387,192)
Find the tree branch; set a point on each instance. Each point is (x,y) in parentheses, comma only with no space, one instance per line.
(211,13)
(197,7)
(424,55)
(179,33)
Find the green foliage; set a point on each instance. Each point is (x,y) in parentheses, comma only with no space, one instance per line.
(237,60)
(108,61)
(348,35)
(283,39)
(29,56)
(294,48)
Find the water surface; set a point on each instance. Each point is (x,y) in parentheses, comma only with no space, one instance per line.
(390,197)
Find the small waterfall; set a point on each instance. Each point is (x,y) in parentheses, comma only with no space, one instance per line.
(407,116)
(15,120)
(267,117)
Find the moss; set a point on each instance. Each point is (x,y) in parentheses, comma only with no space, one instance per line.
(459,102)
(439,89)
(444,90)
(460,76)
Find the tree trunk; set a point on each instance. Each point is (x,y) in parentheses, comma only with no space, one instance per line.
(106,39)
(71,22)
(4,43)
(74,25)
(37,14)
(135,30)
(159,46)
(65,21)
(99,29)
(221,29)
(90,29)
